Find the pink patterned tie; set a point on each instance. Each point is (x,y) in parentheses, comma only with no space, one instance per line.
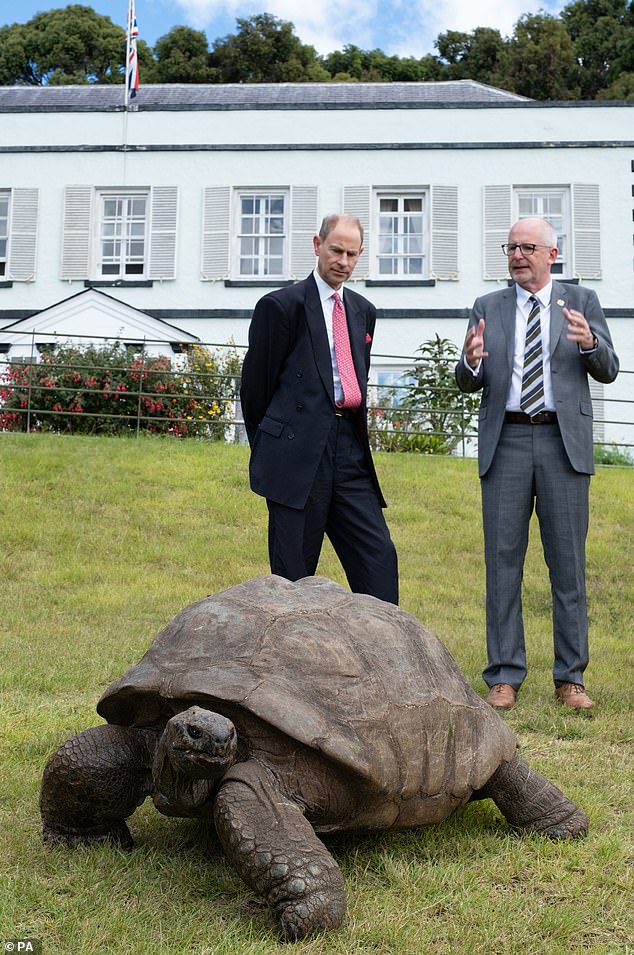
(347,374)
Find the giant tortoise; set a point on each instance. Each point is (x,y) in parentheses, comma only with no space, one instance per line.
(286,711)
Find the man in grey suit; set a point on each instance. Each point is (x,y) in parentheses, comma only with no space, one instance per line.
(530,348)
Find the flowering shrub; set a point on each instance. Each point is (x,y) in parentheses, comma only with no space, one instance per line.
(428,414)
(111,389)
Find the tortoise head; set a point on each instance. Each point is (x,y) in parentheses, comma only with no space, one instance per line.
(196,749)
(200,744)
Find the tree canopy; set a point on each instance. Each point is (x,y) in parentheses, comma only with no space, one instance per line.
(586,52)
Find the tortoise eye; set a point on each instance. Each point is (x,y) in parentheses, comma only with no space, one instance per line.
(193,731)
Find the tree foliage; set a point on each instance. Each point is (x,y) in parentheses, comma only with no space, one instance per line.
(427,413)
(69,45)
(265,50)
(586,52)
(182,56)
(541,61)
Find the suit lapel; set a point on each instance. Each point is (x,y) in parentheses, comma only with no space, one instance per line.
(318,335)
(508,306)
(558,302)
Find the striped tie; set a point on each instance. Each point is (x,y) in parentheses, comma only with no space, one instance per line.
(532,397)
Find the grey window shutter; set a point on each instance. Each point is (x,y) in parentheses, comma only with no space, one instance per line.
(304,213)
(356,202)
(25,205)
(163,221)
(77,224)
(216,230)
(597,393)
(444,232)
(586,230)
(498,218)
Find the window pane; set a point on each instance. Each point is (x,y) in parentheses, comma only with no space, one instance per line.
(401,244)
(276,246)
(123,234)
(414,244)
(261,236)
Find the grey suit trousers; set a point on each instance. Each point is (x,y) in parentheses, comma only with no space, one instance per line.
(531,469)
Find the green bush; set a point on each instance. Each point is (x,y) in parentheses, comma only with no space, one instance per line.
(112,389)
(610,454)
(428,414)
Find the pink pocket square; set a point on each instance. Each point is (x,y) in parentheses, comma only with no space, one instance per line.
(368,338)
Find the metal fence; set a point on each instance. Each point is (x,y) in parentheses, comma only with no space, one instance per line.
(52,387)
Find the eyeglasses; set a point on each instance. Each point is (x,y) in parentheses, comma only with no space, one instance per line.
(526,248)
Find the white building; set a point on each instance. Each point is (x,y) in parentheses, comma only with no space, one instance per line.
(192,205)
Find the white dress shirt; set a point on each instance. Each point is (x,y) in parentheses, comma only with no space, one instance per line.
(522,311)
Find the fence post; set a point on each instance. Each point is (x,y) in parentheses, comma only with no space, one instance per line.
(29,387)
(138,407)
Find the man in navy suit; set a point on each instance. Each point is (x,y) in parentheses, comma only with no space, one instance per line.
(310,454)
(535,450)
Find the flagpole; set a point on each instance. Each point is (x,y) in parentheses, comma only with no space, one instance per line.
(127,58)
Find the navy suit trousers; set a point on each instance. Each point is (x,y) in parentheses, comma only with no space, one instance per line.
(343,504)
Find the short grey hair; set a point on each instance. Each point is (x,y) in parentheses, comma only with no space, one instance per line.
(331,221)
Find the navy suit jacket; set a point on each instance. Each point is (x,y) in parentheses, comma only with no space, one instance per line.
(287,393)
(569,369)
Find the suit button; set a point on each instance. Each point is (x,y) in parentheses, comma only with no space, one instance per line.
(299,408)
(290,435)
(300,374)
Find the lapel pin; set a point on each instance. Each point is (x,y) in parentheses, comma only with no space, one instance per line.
(560,302)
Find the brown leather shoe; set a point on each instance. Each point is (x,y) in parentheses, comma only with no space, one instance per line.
(574,695)
(502,696)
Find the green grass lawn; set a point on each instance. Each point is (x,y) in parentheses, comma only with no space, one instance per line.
(105,539)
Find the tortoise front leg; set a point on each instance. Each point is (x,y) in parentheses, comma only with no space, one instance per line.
(93,782)
(529,801)
(274,848)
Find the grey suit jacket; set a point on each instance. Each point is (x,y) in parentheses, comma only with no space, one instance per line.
(569,369)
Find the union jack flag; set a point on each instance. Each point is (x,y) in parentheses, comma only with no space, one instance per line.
(132,69)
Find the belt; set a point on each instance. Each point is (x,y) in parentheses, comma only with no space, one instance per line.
(519,417)
(348,413)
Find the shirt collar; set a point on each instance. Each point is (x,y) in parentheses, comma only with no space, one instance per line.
(543,296)
(325,290)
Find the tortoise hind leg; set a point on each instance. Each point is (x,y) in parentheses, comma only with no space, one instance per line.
(529,801)
(93,782)
(274,848)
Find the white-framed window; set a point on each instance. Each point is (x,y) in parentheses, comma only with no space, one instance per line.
(573,208)
(389,385)
(552,204)
(261,234)
(401,235)
(122,242)
(5,200)
(119,234)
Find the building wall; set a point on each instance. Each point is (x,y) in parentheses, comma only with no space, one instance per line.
(525,144)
